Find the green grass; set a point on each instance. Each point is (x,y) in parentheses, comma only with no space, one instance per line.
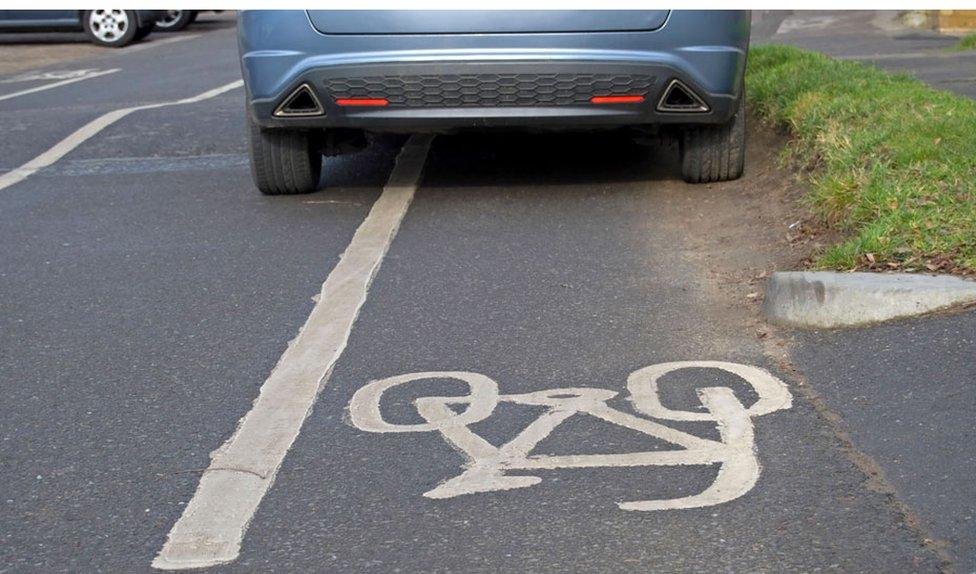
(967,42)
(893,160)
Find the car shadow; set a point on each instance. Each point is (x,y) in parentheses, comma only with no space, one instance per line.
(544,159)
(207,22)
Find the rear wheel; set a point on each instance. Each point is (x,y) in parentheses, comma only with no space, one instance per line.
(112,28)
(715,153)
(176,20)
(283,162)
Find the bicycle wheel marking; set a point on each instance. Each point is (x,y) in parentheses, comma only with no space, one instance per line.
(486,465)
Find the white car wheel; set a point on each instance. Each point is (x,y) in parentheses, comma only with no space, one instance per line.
(110,27)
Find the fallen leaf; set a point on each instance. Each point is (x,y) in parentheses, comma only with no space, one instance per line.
(870,257)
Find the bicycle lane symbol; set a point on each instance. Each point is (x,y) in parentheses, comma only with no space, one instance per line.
(486,465)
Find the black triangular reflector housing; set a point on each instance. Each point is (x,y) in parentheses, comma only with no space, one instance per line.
(301,102)
(680,98)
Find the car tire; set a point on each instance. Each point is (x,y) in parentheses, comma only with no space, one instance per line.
(715,153)
(176,20)
(283,162)
(144,31)
(111,28)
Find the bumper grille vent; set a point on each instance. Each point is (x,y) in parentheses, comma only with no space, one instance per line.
(488,90)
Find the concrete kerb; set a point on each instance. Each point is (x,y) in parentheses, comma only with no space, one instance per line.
(824,299)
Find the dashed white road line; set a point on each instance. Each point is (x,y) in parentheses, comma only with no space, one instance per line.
(90,129)
(242,470)
(36,89)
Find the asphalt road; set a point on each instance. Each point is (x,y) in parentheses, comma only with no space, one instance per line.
(147,291)
(905,393)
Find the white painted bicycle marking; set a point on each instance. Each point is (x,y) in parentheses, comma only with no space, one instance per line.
(69,78)
(49,75)
(486,465)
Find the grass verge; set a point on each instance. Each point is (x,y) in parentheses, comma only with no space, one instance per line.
(892,161)
(967,42)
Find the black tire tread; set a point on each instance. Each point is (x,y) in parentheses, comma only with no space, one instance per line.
(283,162)
(715,153)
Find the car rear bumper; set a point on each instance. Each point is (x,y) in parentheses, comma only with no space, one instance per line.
(469,94)
(440,82)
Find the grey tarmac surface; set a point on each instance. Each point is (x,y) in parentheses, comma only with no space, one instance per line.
(34,122)
(544,275)
(905,392)
(147,290)
(21,53)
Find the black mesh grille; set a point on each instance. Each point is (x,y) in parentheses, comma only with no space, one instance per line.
(489,90)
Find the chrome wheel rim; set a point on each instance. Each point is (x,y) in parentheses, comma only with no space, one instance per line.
(170,19)
(109,26)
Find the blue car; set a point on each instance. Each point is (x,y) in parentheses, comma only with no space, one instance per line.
(319,80)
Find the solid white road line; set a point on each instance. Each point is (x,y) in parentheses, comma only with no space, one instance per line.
(243,469)
(36,89)
(88,130)
(153,43)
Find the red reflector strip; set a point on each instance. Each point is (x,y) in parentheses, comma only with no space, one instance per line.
(374,102)
(616,99)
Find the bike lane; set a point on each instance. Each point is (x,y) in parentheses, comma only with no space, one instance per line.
(549,262)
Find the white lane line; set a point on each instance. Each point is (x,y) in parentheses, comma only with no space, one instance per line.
(152,44)
(36,89)
(242,470)
(88,130)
